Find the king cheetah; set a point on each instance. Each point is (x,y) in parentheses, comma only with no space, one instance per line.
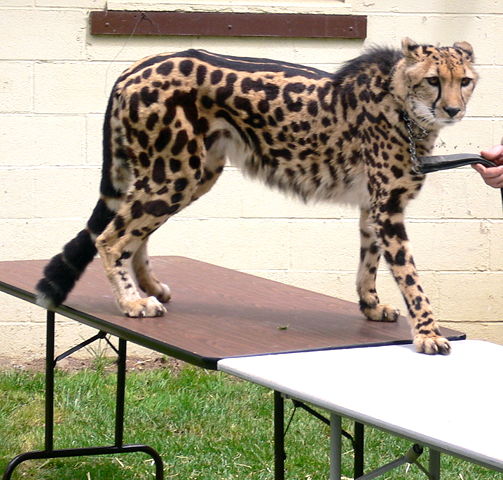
(353,136)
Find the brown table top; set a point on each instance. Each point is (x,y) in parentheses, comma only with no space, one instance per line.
(216,313)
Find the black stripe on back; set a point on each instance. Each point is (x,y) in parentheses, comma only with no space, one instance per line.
(243,64)
(251,64)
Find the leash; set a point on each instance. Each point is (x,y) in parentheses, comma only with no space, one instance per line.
(445,162)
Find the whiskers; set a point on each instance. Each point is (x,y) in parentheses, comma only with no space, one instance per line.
(424,115)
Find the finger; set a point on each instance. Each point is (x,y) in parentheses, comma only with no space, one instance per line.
(496,182)
(492,179)
(493,153)
(493,172)
(480,168)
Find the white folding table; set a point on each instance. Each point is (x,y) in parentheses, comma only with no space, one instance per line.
(451,404)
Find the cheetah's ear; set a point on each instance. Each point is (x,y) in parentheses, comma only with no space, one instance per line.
(410,49)
(466,48)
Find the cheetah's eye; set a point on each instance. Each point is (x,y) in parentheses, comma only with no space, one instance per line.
(465,81)
(433,81)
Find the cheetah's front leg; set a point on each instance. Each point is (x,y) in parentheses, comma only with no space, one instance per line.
(390,229)
(370,254)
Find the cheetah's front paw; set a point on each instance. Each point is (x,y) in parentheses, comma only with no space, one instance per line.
(432,344)
(144,307)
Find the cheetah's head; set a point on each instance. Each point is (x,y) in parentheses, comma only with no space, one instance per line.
(435,83)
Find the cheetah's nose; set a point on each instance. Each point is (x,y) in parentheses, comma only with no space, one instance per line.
(452,111)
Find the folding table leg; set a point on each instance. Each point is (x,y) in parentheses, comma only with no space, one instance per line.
(49,381)
(117,448)
(279,436)
(335,447)
(121,393)
(434,464)
(359,450)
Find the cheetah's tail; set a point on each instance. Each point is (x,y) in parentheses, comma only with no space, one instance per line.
(64,269)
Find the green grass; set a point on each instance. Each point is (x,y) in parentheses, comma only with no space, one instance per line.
(206,426)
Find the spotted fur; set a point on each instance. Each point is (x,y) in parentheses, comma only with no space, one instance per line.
(174,119)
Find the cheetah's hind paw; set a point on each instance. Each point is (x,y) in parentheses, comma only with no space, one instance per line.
(380,312)
(143,307)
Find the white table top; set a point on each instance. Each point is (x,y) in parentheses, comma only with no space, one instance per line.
(452,403)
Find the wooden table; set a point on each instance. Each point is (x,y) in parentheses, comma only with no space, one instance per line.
(215,313)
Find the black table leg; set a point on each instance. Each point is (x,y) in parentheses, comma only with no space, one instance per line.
(279,437)
(49,381)
(121,393)
(117,448)
(359,450)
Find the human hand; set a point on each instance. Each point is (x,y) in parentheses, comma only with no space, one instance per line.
(493,176)
(494,154)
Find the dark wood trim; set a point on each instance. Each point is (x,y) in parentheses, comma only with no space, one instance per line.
(228,24)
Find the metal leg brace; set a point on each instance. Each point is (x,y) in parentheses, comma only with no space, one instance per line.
(411,457)
(357,439)
(336,434)
(118,447)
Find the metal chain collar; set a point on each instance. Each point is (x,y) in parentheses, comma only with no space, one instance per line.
(423,133)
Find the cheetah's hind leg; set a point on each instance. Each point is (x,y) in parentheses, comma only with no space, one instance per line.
(370,254)
(116,249)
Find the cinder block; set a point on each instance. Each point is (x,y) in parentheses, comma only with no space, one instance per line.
(457,193)
(38,34)
(280,6)
(241,223)
(488,88)
(497,132)
(72,87)
(430,201)
(470,135)
(128,50)
(14,344)
(324,244)
(320,53)
(68,334)
(239,244)
(30,239)
(470,296)
(313,51)
(338,284)
(222,201)
(94,139)
(260,200)
(15,310)
(450,245)
(496,245)
(490,332)
(50,192)
(95,4)
(257,200)
(236,196)
(16,87)
(427,6)
(17,3)
(390,28)
(31,140)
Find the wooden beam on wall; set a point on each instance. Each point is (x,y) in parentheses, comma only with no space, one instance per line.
(116,22)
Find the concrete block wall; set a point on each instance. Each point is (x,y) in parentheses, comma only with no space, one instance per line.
(54,82)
